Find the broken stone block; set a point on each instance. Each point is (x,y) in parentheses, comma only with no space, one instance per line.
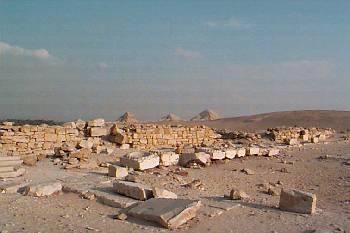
(134,190)
(230,153)
(200,157)
(163,193)
(80,154)
(292,141)
(170,213)
(112,199)
(253,151)
(214,154)
(124,146)
(12,174)
(241,152)
(297,201)
(86,143)
(315,140)
(96,123)
(97,131)
(80,124)
(12,187)
(30,160)
(140,160)
(167,157)
(45,189)
(236,194)
(116,171)
(272,152)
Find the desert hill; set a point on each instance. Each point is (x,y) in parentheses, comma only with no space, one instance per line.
(339,120)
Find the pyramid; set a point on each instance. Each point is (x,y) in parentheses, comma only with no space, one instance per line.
(206,115)
(128,117)
(171,117)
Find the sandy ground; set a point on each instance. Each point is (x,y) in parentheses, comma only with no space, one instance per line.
(328,178)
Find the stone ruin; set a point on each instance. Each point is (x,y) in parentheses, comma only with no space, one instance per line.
(147,136)
(293,135)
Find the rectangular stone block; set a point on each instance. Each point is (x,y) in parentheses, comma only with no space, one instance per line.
(253,151)
(297,201)
(134,190)
(230,153)
(116,171)
(169,213)
(140,160)
(97,131)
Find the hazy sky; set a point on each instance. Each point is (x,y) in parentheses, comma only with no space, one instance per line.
(63,59)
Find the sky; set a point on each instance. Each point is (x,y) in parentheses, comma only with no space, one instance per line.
(69,59)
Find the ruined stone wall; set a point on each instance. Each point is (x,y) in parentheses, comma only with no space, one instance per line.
(145,136)
(282,134)
(41,140)
(35,139)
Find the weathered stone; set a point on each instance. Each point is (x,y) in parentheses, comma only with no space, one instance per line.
(248,171)
(168,157)
(134,190)
(96,123)
(124,146)
(12,187)
(9,158)
(236,194)
(241,152)
(81,154)
(273,152)
(170,213)
(45,189)
(297,201)
(30,160)
(163,193)
(273,191)
(7,163)
(292,141)
(97,131)
(230,153)
(12,174)
(315,140)
(116,171)
(214,154)
(113,199)
(253,151)
(199,157)
(7,169)
(86,143)
(140,160)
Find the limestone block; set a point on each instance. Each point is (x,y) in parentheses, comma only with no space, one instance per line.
(117,171)
(163,193)
(297,201)
(96,123)
(134,190)
(253,150)
(241,152)
(44,189)
(230,153)
(170,213)
(140,160)
(201,158)
(50,137)
(97,131)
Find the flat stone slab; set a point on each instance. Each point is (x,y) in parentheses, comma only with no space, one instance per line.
(224,205)
(13,174)
(170,213)
(12,187)
(7,169)
(44,189)
(134,190)
(297,201)
(7,163)
(107,197)
(9,158)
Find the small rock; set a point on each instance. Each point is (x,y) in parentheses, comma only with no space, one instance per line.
(236,194)
(121,216)
(273,191)
(248,171)
(163,193)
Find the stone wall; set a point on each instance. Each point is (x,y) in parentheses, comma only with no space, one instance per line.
(41,140)
(146,136)
(282,134)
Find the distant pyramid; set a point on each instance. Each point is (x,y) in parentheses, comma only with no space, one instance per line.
(206,115)
(128,117)
(171,117)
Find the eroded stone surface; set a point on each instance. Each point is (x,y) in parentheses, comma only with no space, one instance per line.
(134,190)
(44,189)
(297,201)
(170,213)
